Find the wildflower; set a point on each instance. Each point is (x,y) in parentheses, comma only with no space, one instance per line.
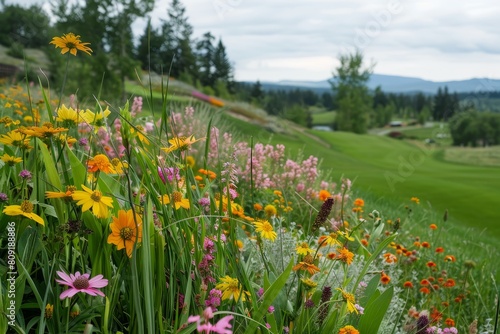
(450,282)
(330,240)
(60,194)
(390,258)
(47,130)
(270,309)
(422,323)
(72,43)
(439,250)
(190,161)
(94,199)
(360,309)
(408,284)
(303,249)
(323,195)
(425,290)
(345,255)
(326,294)
(231,289)
(308,304)
(49,311)
(140,133)
(307,265)
(7,121)
(214,299)
(349,299)
(309,283)
(119,165)
(81,283)
(25,174)
(68,116)
(126,231)
(450,258)
(270,210)
(266,229)
(449,322)
(16,138)
(433,226)
(4,197)
(181,143)
(425,244)
(323,213)
(416,200)
(168,174)
(348,330)
(25,209)
(178,200)
(222,326)
(101,163)
(430,264)
(384,278)
(95,119)
(10,160)
(257,206)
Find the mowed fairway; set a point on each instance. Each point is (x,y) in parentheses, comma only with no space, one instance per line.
(397,169)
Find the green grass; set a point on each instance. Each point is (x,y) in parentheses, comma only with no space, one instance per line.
(479,156)
(323,118)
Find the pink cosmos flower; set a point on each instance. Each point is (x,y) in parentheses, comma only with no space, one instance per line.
(222,326)
(81,283)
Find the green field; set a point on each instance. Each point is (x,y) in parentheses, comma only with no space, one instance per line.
(323,118)
(397,170)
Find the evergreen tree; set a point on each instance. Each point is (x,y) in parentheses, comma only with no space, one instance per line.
(354,100)
(222,65)
(206,56)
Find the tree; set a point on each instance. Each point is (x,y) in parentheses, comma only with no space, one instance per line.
(256,93)
(222,65)
(353,98)
(205,59)
(151,50)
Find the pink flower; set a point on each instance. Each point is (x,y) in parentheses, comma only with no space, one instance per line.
(81,283)
(222,326)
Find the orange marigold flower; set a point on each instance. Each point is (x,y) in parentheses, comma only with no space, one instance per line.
(449,322)
(345,255)
(430,264)
(425,244)
(425,290)
(100,163)
(439,250)
(310,268)
(323,195)
(359,202)
(348,330)
(408,284)
(433,226)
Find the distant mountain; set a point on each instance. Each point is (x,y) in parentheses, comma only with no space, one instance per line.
(398,84)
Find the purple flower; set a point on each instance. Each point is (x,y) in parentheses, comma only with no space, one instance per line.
(83,142)
(169,174)
(270,309)
(222,326)
(260,292)
(4,197)
(81,283)
(25,174)
(360,309)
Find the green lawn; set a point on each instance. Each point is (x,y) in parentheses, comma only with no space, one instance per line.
(323,118)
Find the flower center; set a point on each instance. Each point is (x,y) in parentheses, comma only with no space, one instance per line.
(233,285)
(126,233)
(267,227)
(177,196)
(81,283)
(115,161)
(27,206)
(308,259)
(96,196)
(70,45)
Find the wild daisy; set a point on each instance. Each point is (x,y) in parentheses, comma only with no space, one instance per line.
(81,283)
(72,43)
(25,209)
(94,199)
(126,230)
(231,289)
(181,143)
(266,229)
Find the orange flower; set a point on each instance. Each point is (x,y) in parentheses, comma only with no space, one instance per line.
(126,231)
(449,322)
(415,199)
(307,265)
(359,202)
(408,284)
(450,282)
(390,258)
(424,282)
(100,163)
(384,278)
(450,258)
(345,255)
(348,330)
(439,250)
(433,226)
(323,195)
(257,206)
(425,244)
(425,290)
(364,242)
(430,264)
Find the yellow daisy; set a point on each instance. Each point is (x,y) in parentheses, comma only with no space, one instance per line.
(349,299)
(25,209)
(94,199)
(303,249)
(266,229)
(68,116)
(231,289)
(10,160)
(70,42)
(15,138)
(181,143)
(95,119)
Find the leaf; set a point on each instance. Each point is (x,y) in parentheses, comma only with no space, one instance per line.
(370,321)
(269,297)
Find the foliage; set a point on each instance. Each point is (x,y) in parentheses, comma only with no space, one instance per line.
(475,128)
(445,105)
(352,94)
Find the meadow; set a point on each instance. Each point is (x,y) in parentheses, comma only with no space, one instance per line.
(183,218)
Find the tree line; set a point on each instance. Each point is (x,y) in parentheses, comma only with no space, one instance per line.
(107,26)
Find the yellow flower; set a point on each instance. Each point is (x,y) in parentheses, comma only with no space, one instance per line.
(7,121)
(49,311)
(330,240)
(70,42)
(309,283)
(68,116)
(95,119)
(100,162)
(231,289)
(349,299)
(25,209)
(190,161)
(303,249)
(270,210)
(178,199)
(180,143)
(140,133)
(416,200)
(47,130)
(266,229)
(15,138)
(94,199)
(68,195)
(125,231)
(10,160)
(119,165)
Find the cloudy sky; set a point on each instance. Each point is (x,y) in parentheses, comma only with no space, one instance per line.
(272,40)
